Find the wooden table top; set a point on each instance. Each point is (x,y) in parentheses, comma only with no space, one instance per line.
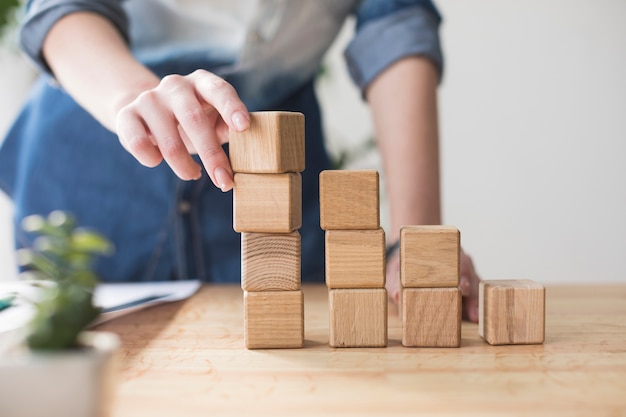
(188,359)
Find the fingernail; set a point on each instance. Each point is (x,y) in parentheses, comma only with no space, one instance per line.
(241,121)
(224,179)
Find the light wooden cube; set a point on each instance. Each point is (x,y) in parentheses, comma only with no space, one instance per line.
(429,256)
(270,261)
(358,317)
(431,317)
(273,319)
(270,203)
(355,258)
(273,144)
(511,312)
(349,200)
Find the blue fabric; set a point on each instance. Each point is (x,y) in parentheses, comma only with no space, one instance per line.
(411,30)
(42,15)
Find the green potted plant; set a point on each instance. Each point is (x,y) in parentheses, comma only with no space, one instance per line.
(7,12)
(61,369)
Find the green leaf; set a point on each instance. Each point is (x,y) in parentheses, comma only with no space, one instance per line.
(83,240)
(63,254)
(6,7)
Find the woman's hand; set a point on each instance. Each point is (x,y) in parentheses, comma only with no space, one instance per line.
(183,115)
(155,119)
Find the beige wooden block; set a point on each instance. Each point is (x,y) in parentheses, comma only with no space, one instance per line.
(274,144)
(429,256)
(349,200)
(273,319)
(431,317)
(270,261)
(355,258)
(511,312)
(269,203)
(358,317)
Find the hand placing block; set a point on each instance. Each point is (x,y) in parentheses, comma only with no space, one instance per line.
(273,144)
(270,203)
(349,200)
(273,319)
(511,312)
(355,258)
(270,261)
(431,317)
(429,256)
(358,317)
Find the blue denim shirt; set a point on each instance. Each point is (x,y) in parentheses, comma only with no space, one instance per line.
(56,156)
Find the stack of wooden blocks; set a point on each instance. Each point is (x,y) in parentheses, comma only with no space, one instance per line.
(267,202)
(431,298)
(355,258)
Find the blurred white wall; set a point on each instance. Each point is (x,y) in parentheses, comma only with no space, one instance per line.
(533,123)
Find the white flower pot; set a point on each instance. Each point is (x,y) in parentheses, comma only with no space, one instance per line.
(70,383)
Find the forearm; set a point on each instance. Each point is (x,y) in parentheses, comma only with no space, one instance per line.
(92,62)
(403,100)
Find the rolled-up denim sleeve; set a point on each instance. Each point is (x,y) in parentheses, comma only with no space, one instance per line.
(388,31)
(41,15)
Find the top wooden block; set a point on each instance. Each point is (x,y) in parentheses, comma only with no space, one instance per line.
(511,312)
(429,256)
(349,200)
(274,144)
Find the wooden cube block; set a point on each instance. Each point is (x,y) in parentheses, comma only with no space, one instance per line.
(270,261)
(355,258)
(431,317)
(429,256)
(269,203)
(349,200)
(511,312)
(273,319)
(273,144)
(358,317)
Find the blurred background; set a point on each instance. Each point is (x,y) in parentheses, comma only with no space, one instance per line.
(533,135)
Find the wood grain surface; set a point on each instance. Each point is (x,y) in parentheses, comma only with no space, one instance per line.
(273,144)
(512,312)
(188,359)
(431,317)
(269,203)
(358,317)
(349,199)
(355,258)
(273,319)
(270,261)
(429,256)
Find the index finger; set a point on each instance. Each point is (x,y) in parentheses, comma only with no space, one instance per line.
(222,96)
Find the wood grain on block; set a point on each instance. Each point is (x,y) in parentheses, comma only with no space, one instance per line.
(269,203)
(270,261)
(358,317)
(349,200)
(273,144)
(431,317)
(429,256)
(273,319)
(355,258)
(511,312)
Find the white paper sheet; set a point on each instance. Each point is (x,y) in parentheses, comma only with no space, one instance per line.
(124,298)
(115,299)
